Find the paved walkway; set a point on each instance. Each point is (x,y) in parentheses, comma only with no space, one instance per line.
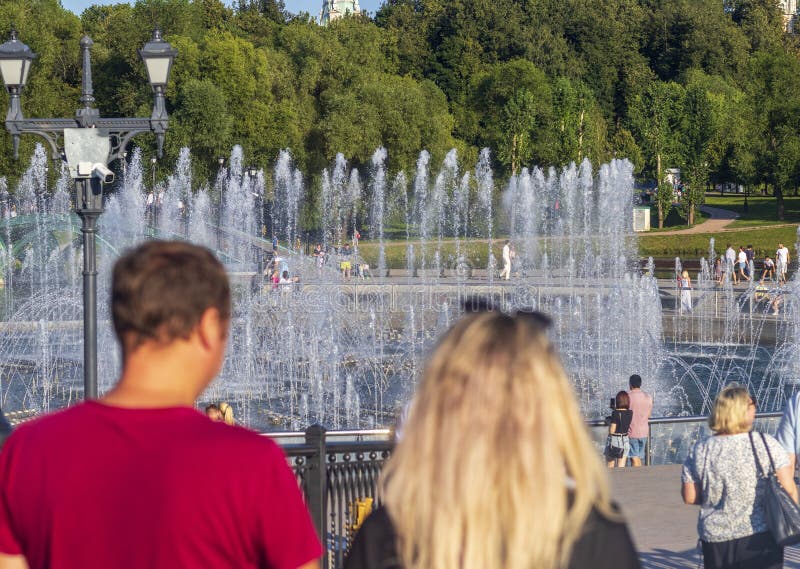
(720,218)
(664,528)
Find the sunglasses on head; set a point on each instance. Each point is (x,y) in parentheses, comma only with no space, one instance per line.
(535,318)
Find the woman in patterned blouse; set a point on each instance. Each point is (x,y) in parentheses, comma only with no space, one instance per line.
(720,474)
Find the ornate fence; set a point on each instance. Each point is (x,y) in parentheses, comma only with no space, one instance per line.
(339,480)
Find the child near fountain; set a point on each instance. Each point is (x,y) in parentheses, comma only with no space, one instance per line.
(769,269)
(685,285)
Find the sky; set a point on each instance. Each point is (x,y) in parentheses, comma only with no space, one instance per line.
(294,6)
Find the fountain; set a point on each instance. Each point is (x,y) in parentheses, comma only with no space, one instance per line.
(348,353)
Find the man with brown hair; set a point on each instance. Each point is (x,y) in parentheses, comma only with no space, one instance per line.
(140,478)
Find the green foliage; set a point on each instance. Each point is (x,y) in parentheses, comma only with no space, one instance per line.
(711,88)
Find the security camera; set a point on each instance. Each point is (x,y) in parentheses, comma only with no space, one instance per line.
(102,173)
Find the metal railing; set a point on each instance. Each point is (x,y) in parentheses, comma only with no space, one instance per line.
(669,439)
(337,478)
(338,471)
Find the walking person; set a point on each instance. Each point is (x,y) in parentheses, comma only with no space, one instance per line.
(506,260)
(642,406)
(134,479)
(618,443)
(719,272)
(722,476)
(730,263)
(782,255)
(742,261)
(493,398)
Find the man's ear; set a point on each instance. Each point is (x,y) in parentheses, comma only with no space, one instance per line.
(211,329)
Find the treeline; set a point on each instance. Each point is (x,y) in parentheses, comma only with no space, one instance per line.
(708,86)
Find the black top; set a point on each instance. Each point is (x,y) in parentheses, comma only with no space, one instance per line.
(622,418)
(605,544)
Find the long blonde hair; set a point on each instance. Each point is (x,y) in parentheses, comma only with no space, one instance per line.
(481,478)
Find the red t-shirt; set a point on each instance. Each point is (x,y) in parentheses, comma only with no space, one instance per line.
(101,486)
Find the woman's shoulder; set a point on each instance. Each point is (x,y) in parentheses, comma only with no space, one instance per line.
(600,535)
(375,544)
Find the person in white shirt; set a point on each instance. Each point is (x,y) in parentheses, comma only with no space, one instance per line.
(743,264)
(730,260)
(507,254)
(782,255)
(769,270)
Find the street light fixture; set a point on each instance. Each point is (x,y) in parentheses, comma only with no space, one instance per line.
(88,143)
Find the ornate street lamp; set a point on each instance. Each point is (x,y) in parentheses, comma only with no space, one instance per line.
(88,143)
(15,62)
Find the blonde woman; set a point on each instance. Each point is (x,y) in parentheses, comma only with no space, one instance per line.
(495,468)
(226,412)
(721,475)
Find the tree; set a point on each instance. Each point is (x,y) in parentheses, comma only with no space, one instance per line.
(774,95)
(519,120)
(274,10)
(202,122)
(580,127)
(656,118)
(698,132)
(623,145)
(492,93)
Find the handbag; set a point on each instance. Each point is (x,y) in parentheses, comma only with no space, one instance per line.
(781,513)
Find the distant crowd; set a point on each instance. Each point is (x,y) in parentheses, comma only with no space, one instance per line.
(740,267)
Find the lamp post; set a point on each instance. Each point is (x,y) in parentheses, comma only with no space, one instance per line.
(220,182)
(153,161)
(88,143)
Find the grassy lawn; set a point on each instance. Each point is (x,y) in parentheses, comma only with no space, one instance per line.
(475,252)
(674,221)
(755,227)
(764,241)
(761,209)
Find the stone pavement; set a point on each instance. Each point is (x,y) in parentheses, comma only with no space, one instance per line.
(664,528)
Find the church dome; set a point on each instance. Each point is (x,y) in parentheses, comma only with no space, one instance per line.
(335,9)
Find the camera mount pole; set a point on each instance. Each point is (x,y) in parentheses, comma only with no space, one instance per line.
(89,209)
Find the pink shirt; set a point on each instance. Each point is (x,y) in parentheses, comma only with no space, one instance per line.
(642,406)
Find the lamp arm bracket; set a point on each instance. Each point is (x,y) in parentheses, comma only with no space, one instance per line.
(52,130)
(120,131)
